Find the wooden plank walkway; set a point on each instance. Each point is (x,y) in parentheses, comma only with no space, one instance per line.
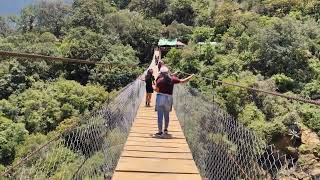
(150,158)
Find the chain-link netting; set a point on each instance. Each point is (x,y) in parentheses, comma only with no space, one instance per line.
(223,148)
(88,149)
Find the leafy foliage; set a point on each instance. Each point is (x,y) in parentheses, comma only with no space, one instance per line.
(116,77)
(269,45)
(42,107)
(11,134)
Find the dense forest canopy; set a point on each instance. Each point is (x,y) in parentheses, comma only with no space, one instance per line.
(268,44)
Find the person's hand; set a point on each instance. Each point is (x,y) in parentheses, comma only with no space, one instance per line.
(155,88)
(140,78)
(175,73)
(191,76)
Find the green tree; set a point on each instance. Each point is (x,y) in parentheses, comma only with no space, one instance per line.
(11,135)
(278,48)
(283,82)
(4,27)
(116,77)
(149,8)
(90,13)
(223,14)
(312,8)
(83,43)
(181,11)
(202,34)
(42,107)
(179,31)
(16,76)
(27,19)
(311,90)
(141,34)
(311,117)
(281,8)
(121,4)
(51,16)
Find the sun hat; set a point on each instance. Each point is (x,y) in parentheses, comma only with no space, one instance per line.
(164,69)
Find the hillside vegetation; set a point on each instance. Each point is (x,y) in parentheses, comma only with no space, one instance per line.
(268,44)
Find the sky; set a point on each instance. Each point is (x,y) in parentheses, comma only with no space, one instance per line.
(13,7)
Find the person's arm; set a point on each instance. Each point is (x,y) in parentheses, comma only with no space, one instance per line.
(175,73)
(186,79)
(153,81)
(155,88)
(141,78)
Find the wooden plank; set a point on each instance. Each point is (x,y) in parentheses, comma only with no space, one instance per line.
(146,157)
(171,127)
(156,140)
(147,131)
(156,165)
(142,128)
(157,155)
(155,176)
(146,135)
(153,123)
(164,144)
(157,149)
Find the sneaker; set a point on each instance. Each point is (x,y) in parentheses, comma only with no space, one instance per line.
(159,134)
(166,131)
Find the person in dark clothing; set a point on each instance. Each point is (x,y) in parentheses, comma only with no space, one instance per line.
(164,86)
(149,79)
(160,64)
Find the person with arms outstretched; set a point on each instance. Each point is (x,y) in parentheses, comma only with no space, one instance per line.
(164,87)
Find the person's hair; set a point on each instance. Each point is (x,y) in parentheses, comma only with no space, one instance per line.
(149,74)
(167,78)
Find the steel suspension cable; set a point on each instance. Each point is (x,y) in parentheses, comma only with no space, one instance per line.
(259,90)
(37,57)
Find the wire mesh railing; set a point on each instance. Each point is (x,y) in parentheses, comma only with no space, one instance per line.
(221,146)
(88,150)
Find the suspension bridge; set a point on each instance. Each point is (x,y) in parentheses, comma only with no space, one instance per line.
(145,157)
(116,142)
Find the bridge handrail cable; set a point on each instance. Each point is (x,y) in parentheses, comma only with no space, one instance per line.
(258,90)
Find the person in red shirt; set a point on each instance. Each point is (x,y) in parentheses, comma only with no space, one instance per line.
(164,86)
